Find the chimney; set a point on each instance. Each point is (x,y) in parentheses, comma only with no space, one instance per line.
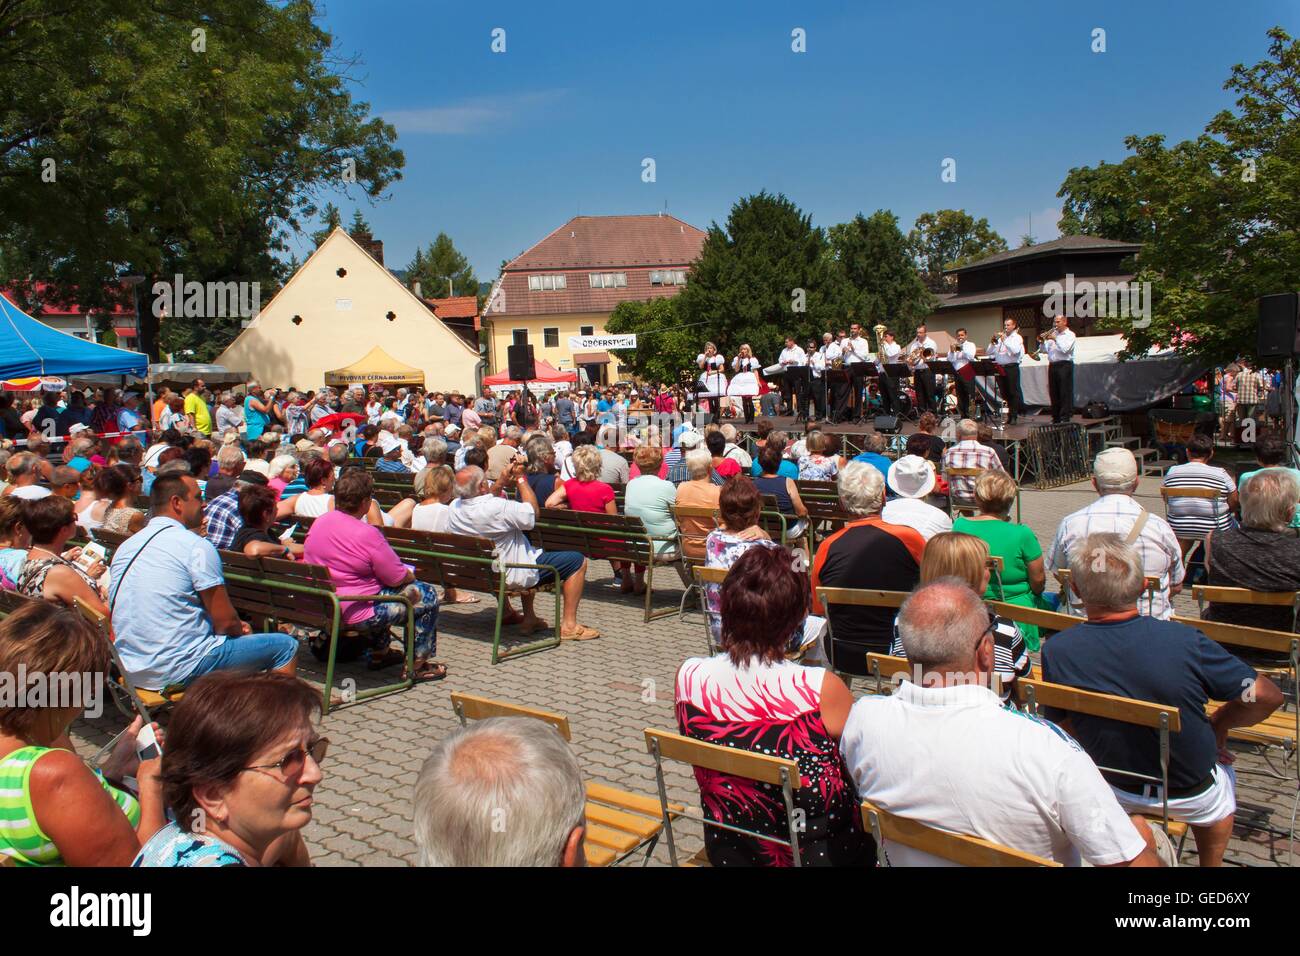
(369,243)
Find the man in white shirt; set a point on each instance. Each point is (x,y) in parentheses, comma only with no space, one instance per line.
(477,512)
(25,472)
(921,374)
(1060,369)
(942,750)
(817,381)
(890,354)
(1009,352)
(911,478)
(792,390)
(961,353)
(1115,476)
(838,392)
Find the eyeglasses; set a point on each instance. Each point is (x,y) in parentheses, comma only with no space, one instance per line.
(294,762)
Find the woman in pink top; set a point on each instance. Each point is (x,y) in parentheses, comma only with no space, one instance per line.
(584,492)
(361,561)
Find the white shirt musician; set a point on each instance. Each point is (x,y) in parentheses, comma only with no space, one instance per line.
(831,351)
(889,352)
(1060,346)
(1010,348)
(961,352)
(859,349)
(918,345)
(792,354)
(817,359)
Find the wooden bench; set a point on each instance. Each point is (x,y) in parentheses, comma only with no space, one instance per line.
(762,768)
(469,563)
(619,823)
(812,488)
(605,537)
(274,591)
(957,848)
(1205,593)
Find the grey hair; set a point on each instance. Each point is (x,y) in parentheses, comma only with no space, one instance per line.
(514,432)
(729,432)
(586,461)
(940,622)
(505,791)
(80,446)
(339,454)
(861,487)
(1106,572)
(21,464)
(968,428)
(230,457)
(698,463)
(1268,500)
(434,450)
(472,482)
(538,447)
(279,463)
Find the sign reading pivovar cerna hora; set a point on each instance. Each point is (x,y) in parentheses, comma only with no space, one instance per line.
(589,343)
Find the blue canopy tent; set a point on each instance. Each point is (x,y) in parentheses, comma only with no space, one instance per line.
(30,347)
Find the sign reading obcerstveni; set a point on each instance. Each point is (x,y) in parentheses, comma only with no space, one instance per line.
(589,343)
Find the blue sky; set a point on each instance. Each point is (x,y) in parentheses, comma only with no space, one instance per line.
(501,148)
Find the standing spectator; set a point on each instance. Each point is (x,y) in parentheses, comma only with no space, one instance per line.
(230,415)
(241,765)
(1119,652)
(520,766)
(1194,518)
(943,751)
(967,452)
(46,419)
(168,573)
(361,561)
(750,697)
(866,553)
(1115,478)
(196,409)
(75,414)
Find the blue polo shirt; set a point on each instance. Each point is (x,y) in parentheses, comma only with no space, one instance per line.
(162,627)
(879,462)
(787,469)
(1147,659)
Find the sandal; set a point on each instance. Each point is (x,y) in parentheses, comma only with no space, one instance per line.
(466,599)
(389,658)
(583,633)
(427,671)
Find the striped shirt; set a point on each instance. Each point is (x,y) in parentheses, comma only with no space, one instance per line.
(1197,517)
(1161,554)
(21,837)
(1010,657)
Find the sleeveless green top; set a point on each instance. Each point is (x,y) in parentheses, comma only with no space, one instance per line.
(21,838)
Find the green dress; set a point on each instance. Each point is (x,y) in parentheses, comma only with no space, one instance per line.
(1016,545)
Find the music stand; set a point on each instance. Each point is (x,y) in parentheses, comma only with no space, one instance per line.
(799,377)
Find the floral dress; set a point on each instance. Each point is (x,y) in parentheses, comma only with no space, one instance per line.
(772,709)
(722,549)
(817,468)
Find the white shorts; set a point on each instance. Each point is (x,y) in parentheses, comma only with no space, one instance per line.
(1201,810)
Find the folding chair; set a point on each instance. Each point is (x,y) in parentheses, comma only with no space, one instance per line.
(619,823)
(852,597)
(777,771)
(957,848)
(1214,495)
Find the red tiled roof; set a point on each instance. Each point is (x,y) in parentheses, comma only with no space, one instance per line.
(456,307)
(50,308)
(609,242)
(514,297)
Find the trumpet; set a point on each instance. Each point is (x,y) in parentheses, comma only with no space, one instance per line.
(1049,334)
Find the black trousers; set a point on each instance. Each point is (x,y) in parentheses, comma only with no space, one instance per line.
(965,392)
(787,393)
(923,380)
(747,403)
(1060,387)
(1011,393)
(888,394)
(816,398)
(839,397)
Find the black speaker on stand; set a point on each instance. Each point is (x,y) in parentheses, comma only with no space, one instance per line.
(519,359)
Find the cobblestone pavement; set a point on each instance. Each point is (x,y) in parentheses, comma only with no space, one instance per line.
(611,689)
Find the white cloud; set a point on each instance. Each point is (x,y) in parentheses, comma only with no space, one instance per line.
(475,115)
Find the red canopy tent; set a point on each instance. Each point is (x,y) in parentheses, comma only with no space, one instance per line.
(547,374)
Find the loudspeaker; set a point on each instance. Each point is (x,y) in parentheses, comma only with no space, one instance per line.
(888,424)
(1279,325)
(519,358)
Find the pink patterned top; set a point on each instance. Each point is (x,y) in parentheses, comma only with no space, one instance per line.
(774,709)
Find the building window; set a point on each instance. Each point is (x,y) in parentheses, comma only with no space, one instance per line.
(608,280)
(521,336)
(587,330)
(668,277)
(547,283)
(551,338)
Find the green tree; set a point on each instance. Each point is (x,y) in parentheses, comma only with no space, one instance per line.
(157,137)
(442,270)
(664,348)
(358,226)
(947,238)
(767,275)
(330,219)
(1224,212)
(881,283)
(1105,201)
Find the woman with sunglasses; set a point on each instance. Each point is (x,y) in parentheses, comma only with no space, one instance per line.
(240,767)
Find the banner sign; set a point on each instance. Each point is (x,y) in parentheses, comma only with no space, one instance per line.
(596,343)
